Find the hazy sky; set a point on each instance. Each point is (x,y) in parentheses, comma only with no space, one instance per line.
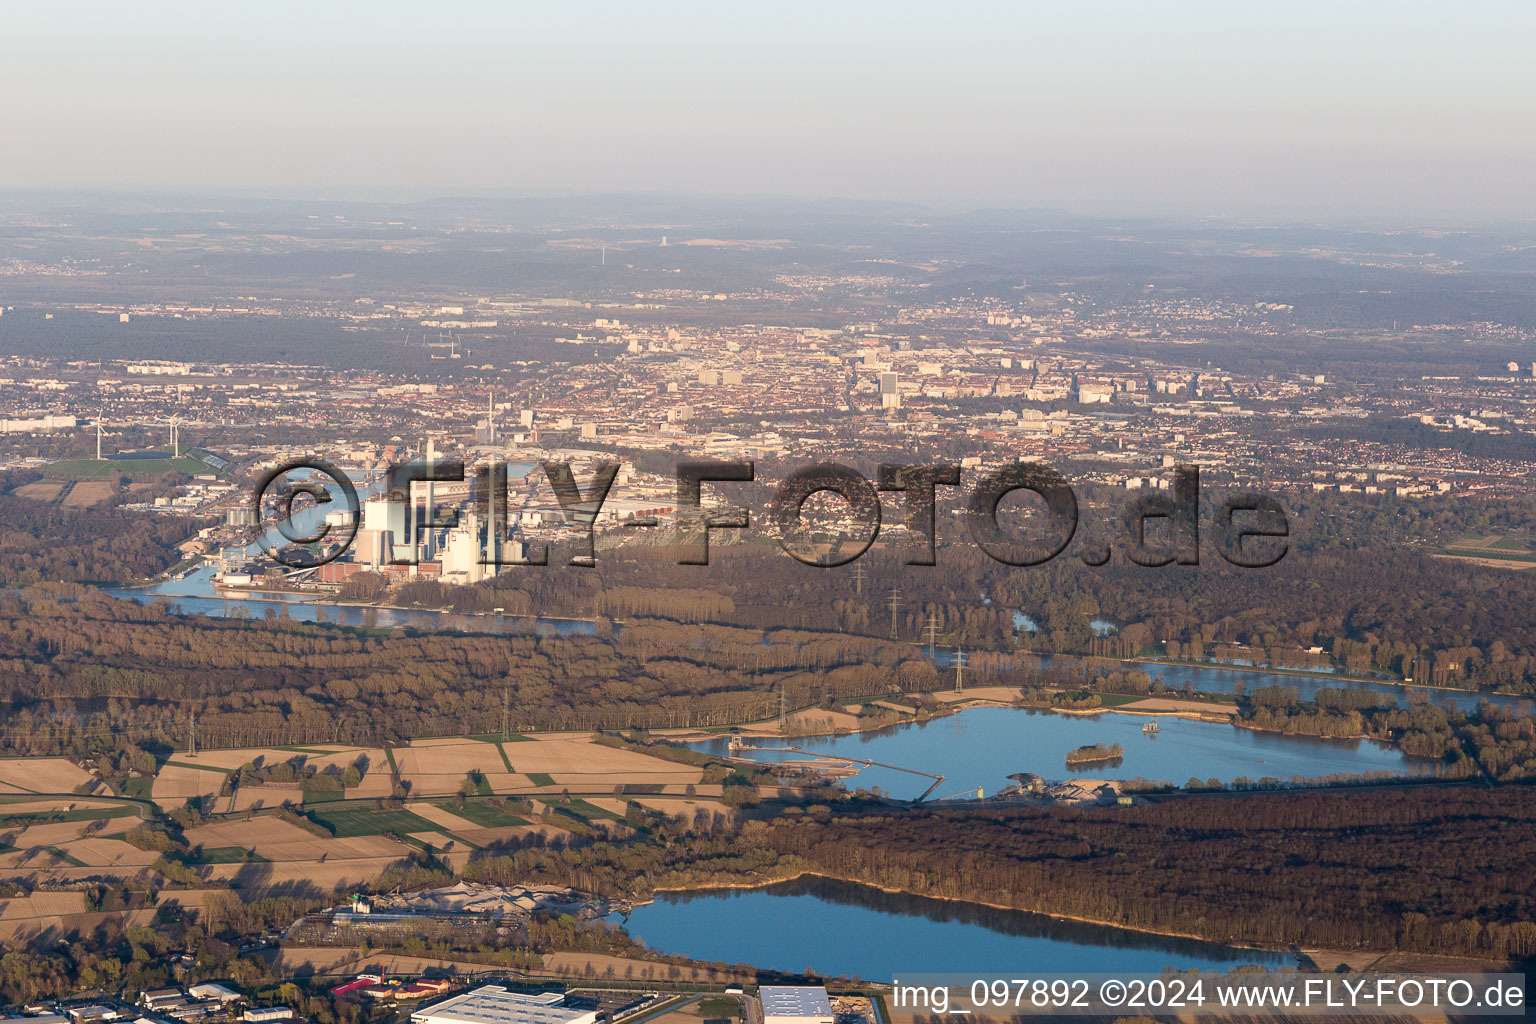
(1216,107)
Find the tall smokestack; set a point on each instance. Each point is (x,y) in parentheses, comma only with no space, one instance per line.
(430,516)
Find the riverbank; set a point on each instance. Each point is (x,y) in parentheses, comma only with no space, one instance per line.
(951,703)
(1297,673)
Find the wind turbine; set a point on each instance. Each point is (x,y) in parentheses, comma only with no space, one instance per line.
(98,437)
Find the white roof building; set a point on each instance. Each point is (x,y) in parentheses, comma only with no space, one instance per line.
(268,1013)
(492,1004)
(213,990)
(795,1004)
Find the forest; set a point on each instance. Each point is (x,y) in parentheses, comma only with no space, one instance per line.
(92,677)
(83,674)
(1361,591)
(39,541)
(1428,869)
(1362,585)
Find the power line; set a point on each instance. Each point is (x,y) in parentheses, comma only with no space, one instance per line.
(895,604)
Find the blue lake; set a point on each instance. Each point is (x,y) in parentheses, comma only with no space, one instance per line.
(840,928)
(983,746)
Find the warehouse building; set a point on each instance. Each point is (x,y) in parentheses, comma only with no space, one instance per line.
(795,1004)
(492,1004)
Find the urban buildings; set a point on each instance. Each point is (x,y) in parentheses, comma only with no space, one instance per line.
(492,1004)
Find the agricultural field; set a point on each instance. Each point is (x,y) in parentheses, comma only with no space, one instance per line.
(1498,551)
(89,492)
(41,490)
(347,821)
(67,837)
(264,853)
(444,816)
(185,776)
(483,814)
(46,830)
(437,767)
(430,768)
(180,781)
(32,813)
(572,761)
(40,775)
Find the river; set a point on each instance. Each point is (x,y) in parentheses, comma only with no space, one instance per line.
(195,594)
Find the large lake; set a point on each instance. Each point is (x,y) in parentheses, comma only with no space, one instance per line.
(839,928)
(983,746)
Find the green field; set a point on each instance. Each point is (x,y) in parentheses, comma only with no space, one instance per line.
(589,812)
(346,822)
(101,469)
(219,855)
(1491,553)
(482,813)
(720,1006)
(138,789)
(541,779)
(25,818)
(201,767)
(323,796)
(1114,700)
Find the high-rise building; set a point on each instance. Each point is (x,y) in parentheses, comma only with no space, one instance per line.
(890,395)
